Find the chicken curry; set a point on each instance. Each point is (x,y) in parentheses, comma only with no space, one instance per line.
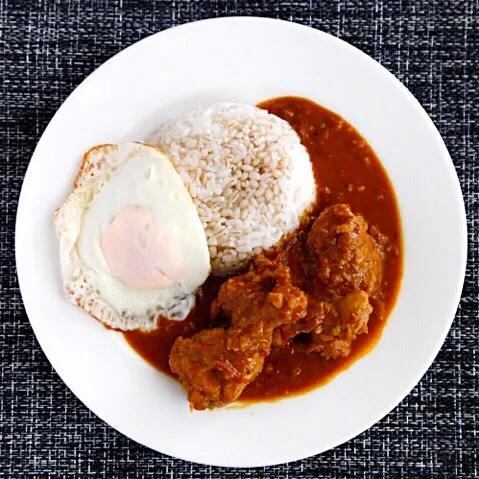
(311,306)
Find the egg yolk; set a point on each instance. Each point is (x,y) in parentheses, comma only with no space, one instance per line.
(139,252)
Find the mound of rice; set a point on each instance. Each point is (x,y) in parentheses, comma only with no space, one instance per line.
(248,173)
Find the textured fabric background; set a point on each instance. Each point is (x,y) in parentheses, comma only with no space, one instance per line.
(48,47)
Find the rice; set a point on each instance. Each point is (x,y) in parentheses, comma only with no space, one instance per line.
(248,174)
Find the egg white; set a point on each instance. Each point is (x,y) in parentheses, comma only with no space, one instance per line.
(113,177)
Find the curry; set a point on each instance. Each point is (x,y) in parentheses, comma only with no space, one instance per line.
(352,188)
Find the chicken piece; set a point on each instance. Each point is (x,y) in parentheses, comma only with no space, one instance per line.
(258,302)
(312,323)
(344,320)
(345,257)
(212,374)
(216,365)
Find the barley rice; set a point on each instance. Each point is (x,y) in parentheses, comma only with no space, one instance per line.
(248,173)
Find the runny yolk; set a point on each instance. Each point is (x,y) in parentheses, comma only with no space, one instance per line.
(138,250)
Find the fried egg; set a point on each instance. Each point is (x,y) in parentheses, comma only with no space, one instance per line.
(132,246)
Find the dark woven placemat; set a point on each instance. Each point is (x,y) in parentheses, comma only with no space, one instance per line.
(48,47)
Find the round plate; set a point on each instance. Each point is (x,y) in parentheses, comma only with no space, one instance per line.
(245,60)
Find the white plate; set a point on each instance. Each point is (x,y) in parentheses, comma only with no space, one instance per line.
(245,60)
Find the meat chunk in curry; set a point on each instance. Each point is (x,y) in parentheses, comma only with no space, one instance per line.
(215,365)
(346,268)
(345,257)
(331,326)
(345,319)
(212,373)
(312,323)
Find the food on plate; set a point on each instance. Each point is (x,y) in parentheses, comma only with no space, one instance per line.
(263,308)
(287,207)
(344,320)
(322,278)
(132,246)
(344,256)
(248,173)
(215,365)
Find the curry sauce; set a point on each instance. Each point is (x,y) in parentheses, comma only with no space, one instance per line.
(347,171)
